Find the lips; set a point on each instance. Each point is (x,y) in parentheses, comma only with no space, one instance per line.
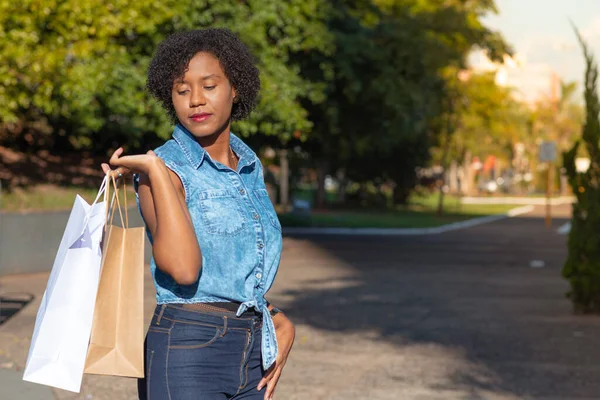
(200,117)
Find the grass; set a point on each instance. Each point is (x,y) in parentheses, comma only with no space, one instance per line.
(421,213)
(49,198)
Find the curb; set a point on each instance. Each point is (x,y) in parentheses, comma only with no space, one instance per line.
(409,231)
(533,201)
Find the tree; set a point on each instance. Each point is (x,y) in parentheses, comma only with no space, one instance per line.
(559,117)
(582,267)
(385,84)
(67,72)
(487,120)
(74,70)
(274,31)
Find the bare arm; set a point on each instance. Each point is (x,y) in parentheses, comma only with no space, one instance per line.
(162,201)
(175,248)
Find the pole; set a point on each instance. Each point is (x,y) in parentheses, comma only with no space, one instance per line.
(548,195)
(0,224)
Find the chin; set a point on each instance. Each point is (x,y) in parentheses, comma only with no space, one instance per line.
(206,130)
(200,131)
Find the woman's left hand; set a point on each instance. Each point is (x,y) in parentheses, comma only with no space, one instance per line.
(285,332)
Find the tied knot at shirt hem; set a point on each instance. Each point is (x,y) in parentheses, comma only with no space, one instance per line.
(269,347)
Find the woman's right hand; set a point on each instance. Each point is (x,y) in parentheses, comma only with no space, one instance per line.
(134,164)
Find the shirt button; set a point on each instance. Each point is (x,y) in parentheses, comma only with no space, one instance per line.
(255,216)
(260,245)
(258,275)
(242,192)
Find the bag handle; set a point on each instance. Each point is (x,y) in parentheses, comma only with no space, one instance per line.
(110,211)
(103,189)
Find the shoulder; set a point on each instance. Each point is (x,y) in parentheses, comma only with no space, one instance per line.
(170,152)
(169,149)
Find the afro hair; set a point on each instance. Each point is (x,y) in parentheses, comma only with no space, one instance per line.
(173,56)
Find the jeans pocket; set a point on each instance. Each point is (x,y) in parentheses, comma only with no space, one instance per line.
(193,336)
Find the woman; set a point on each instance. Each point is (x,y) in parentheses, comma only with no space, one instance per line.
(216,240)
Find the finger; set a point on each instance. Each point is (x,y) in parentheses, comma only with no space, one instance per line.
(262,383)
(105,167)
(114,159)
(267,377)
(272,384)
(150,153)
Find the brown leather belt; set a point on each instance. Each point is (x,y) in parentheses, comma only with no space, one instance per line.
(220,307)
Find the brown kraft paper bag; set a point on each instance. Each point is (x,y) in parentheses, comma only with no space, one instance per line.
(117,340)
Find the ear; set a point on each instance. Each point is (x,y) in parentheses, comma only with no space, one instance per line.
(234,94)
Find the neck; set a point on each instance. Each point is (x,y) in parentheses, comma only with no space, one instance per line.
(217,146)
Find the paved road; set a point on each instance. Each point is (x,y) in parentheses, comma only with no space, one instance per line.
(460,315)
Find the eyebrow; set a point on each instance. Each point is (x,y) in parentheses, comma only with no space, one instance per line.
(181,81)
(211,76)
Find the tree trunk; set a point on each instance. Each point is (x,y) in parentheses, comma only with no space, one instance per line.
(467,181)
(446,153)
(400,195)
(446,150)
(342,188)
(321,172)
(453,177)
(284,179)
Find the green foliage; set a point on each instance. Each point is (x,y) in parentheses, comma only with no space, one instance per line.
(360,84)
(273,30)
(67,65)
(488,118)
(582,267)
(559,119)
(386,86)
(78,67)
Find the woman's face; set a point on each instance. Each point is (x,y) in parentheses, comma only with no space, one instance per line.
(203,97)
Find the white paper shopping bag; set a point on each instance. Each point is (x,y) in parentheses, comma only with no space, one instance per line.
(64,320)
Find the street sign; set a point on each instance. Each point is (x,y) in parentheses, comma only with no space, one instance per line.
(547,151)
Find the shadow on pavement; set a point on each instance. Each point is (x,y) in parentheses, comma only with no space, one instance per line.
(471,293)
(12,303)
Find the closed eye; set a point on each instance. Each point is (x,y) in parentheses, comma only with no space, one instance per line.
(182,92)
(209,87)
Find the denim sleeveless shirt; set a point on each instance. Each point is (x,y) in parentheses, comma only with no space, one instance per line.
(237,229)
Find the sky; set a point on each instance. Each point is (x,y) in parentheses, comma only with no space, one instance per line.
(544,41)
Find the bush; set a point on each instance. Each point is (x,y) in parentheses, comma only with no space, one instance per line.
(582,267)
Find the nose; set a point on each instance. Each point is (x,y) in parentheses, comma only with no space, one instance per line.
(197,99)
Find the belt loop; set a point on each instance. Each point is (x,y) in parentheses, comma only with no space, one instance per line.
(160,314)
(224,325)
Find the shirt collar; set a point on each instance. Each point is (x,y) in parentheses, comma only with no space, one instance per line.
(196,153)
(245,153)
(192,149)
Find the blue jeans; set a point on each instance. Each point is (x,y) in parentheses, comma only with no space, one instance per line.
(202,355)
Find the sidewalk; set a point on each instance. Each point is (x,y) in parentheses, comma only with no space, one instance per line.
(15,336)
(454,316)
(14,388)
